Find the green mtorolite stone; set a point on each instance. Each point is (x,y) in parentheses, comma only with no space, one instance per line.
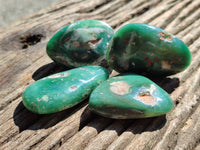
(143,48)
(81,43)
(63,90)
(129,96)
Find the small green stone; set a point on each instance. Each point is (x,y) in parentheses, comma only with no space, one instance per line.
(142,48)
(129,96)
(81,43)
(63,90)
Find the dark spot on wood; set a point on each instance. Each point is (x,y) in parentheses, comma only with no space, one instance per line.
(177,102)
(95,7)
(30,39)
(141,11)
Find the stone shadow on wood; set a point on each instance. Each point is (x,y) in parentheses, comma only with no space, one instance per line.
(136,126)
(47,70)
(167,83)
(26,120)
(53,68)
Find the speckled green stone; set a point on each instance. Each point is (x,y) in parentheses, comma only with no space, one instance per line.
(145,49)
(63,90)
(80,43)
(129,96)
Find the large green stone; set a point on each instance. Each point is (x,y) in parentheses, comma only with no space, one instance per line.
(129,96)
(142,48)
(81,43)
(63,90)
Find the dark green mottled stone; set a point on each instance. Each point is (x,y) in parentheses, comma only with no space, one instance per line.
(63,90)
(81,43)
(129,96)
(142,48)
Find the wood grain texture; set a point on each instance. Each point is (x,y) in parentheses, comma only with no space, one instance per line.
(23,60)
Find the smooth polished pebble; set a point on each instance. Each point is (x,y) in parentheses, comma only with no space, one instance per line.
(63,90)
(148,50)
(129,96)
(80,43)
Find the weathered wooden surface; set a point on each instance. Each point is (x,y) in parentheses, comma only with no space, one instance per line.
(77,128)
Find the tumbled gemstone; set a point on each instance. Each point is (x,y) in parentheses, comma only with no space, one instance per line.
(146,49)
(63,90)
(80,43)
(129,96)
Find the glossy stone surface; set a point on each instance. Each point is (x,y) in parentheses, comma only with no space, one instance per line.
(145,49)
(81,43)
(63,90)
(129,96)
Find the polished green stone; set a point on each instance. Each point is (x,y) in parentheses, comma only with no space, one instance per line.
(63,90)
(80,43)
(129,96)
(146,49)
